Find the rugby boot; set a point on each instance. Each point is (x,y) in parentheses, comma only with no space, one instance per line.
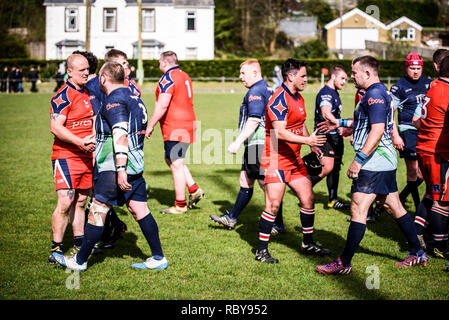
(314,249)
(224,220)
(174,210)
(264,256)
(195,197)
(336,267)
(414,260)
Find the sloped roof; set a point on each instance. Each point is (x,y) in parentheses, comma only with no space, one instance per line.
(406,20)
(70,43)
(354,12)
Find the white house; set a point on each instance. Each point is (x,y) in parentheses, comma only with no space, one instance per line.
(183,26)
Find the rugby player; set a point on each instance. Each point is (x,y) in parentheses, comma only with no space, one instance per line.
(374,168)
(328,107)
(407,93)
(71,123)
(252,135)
(285,133)
(174,111)
(433,157)
(120,128)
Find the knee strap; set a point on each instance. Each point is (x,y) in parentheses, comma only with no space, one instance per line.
(95,212)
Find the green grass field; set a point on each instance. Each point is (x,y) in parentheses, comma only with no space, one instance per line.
(205,260)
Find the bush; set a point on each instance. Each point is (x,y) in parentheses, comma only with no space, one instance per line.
(228,68)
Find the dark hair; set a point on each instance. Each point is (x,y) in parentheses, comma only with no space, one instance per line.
(336,69)
(114,71)
(367,61)
(91,58)
(444,67)
(439,55)
(291,65)
(113,53)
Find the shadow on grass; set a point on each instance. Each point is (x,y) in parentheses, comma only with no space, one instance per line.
(247,228)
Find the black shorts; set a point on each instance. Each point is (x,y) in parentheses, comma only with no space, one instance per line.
(175,150)
(334,146)
(107,190)
(410,138)
(251,162)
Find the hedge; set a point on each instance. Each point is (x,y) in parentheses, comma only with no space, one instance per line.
(228,68)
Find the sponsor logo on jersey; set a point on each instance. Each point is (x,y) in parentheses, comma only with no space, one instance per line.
(253,98)
(371,101)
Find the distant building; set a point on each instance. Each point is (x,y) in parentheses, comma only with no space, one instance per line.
(358,26)
(183,26)
(299,29)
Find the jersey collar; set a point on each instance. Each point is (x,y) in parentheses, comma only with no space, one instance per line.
(288,91)
(172,68)
(73,87)
(439,79)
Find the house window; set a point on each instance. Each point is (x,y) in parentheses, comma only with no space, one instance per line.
(109,19)
(191,21)
(148,20)
(403,34)
(191,53)
(71,20)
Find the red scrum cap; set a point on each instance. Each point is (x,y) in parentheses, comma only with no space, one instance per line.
(413,59)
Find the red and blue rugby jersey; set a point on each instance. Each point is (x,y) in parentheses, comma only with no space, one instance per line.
(283,106)
(76,107)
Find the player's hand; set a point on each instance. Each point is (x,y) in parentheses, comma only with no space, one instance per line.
(398,143)
(122,181)
(354,169)
(88,143)
(316,140)
(326,126)
(233,147)
(148,132)
(317,151)
(345,132)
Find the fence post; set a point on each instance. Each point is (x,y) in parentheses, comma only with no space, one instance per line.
(222,84)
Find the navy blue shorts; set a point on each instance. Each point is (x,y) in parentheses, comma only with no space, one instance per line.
(375,182)
(175,150)
(107,190)
(410,138)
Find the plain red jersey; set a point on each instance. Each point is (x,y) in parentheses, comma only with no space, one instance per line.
(76,107)
(433,133)
(283,106)
(178,123)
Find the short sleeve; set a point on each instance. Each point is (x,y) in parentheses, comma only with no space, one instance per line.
(277,110)
(115,112)
(377,105)
(60,103)
(256,104)
(166,84)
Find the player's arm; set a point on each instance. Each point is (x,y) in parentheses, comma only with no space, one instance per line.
(329,125)
(248,129)
(160,108)
(282,133)
(59,130)
(396,104)
(416,119)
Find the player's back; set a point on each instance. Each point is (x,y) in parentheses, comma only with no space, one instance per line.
(75,106)
(434,129)
(178,123)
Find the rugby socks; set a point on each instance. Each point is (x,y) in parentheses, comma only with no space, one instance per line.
(356,233)
(315,180)
(181,203)
(332,184)
(91,236)
(421,215)
(307,217)
(78,240)
(151,232)
(265,226)
(193,188)
(243,198)
(279,220)
(411,188)
(407,227)
(438,221)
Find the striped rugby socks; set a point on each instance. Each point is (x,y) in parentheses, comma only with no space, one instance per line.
(265,225)
(307,217)
(438,221)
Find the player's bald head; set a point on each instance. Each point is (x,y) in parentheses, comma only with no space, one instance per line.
(74,59)
(367,63)
(252,64)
